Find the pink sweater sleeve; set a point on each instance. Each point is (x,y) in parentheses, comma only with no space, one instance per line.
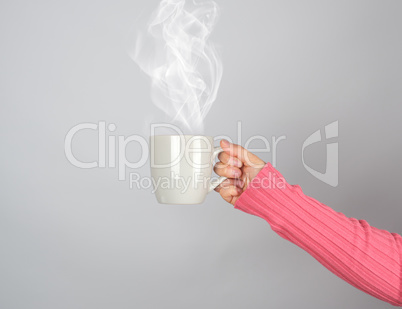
(364,256)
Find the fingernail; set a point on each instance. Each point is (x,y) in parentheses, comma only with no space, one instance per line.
(225,143)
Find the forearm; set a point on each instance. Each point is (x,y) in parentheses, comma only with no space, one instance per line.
(364,256)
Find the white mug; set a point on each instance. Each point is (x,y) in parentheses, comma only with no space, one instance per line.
(181,168)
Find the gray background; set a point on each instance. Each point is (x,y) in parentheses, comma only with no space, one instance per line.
(74,238)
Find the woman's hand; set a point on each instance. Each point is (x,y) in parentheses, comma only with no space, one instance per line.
(239,166)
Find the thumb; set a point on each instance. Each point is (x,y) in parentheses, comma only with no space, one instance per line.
(245,156)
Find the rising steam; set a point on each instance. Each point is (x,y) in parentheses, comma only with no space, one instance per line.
(183,64)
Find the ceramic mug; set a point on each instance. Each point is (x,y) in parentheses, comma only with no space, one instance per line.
(181,168)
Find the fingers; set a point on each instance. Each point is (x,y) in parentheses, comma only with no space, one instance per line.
(237,151)
(229,160)
(230,194)
(239,166)
(230,182)
(230,190)
(228,171)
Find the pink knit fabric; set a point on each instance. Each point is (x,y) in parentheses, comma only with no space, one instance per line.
(364,256)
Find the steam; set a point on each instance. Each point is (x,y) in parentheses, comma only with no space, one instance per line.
(182,63)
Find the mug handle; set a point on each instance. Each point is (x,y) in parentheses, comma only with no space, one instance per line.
(213,184)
